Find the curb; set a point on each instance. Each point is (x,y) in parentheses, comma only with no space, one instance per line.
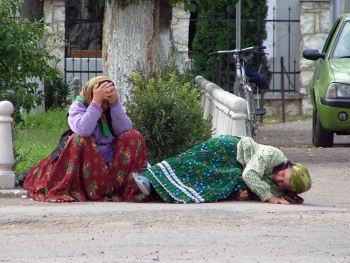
(19,193)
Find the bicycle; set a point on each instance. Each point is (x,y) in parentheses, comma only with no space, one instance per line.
(243,88)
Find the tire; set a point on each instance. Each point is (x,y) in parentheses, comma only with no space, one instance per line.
(252,129)
(320,137)
(254,118)
(251,123)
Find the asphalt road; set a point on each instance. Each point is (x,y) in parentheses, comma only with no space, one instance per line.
(317,231)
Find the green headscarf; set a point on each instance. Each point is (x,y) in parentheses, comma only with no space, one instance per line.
(300,180)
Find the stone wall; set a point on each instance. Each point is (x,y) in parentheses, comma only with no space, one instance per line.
(54,17)
(315,23)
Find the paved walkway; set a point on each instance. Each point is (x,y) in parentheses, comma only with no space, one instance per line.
(317,231)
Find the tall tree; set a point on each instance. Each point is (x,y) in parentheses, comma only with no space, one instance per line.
(136,33)
(216,30)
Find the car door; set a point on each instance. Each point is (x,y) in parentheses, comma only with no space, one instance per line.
(321,76)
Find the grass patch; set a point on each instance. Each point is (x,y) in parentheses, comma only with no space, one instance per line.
(36,137)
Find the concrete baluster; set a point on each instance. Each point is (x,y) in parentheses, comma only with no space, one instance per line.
(76,83)
(7,176)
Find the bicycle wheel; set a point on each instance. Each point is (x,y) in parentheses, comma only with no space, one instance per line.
(239,90)
(254,121)
(252,128)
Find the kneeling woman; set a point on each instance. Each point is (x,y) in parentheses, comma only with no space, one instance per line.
(99,155)
(226,168)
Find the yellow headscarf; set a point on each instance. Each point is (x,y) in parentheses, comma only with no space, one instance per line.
(89,87)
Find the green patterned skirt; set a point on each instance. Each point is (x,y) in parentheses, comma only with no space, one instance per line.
(208,172)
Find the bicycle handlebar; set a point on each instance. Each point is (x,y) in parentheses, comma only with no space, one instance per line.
(255,49)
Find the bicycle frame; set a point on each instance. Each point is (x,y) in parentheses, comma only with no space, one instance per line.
(245,91)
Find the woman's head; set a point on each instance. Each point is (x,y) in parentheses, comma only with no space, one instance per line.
(89,87)
(294,177)
(300,180)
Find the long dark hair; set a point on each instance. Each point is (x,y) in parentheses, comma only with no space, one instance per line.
(281,166)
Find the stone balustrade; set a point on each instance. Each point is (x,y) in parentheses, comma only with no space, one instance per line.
(7,176)
(226,109)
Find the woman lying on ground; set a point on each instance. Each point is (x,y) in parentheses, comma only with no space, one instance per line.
(96,158)
(226,168)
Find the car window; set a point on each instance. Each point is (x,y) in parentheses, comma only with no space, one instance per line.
(342,45)
(330,35)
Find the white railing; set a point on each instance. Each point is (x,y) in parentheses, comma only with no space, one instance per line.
(7,176)
(226,109)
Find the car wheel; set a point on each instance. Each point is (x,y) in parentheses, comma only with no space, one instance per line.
(320,137)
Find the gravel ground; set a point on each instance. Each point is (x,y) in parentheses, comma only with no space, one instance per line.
(317,231)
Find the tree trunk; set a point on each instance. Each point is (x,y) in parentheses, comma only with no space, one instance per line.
(134,37)
(33,10)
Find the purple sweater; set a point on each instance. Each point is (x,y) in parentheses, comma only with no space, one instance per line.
(83,121)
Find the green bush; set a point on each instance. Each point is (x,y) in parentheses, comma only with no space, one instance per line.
(24,58)
(166,110)
(216,30)
(56,93)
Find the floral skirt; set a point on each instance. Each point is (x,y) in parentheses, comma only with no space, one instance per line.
(81,174)
(209,172)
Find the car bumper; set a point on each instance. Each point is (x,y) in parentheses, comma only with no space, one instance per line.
(338,103)
(329,109)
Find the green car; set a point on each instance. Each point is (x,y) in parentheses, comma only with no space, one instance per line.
(330,85)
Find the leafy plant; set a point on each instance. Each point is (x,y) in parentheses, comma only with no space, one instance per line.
(216,30)
(23,57)
(56,93)
(166,110)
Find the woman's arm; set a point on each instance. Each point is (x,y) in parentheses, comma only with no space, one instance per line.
(120,121)
(82,120)
(265,189)
(252,176)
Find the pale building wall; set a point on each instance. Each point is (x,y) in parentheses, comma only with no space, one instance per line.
(279,44)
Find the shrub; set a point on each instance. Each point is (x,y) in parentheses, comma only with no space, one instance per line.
(56,93)
(24,58)
(216,30)
(166,110)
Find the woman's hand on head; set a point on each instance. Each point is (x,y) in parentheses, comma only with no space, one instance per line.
(99,94)
(112,95)
(277,200)
(105,92)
